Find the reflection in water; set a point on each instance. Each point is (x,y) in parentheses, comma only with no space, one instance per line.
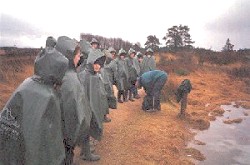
(226,143)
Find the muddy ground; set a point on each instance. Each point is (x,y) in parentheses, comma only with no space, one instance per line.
(137,137)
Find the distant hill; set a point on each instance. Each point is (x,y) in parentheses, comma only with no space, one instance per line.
(14,51)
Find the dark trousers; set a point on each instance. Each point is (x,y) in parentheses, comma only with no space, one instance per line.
(135,92)
(86,146)
(69,153)
(153,94)
(184,103)
(132,89)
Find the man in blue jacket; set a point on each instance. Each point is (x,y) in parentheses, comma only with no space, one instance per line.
(152,82)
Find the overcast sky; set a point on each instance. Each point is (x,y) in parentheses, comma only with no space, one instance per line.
(27,23)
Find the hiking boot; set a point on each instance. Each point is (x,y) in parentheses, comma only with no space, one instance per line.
(86,150)
(158,108)
(130,96)
(131,99)
(125,96)
(181,115)
(119,96)
(125,99)
(91,157)
(106,119)
(150,110)
(92,150)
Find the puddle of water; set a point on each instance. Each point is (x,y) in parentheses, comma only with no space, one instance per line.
(226,143)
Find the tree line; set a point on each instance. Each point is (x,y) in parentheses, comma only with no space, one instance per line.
(176,38)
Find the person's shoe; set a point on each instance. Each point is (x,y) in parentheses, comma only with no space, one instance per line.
(91,157)
(125,100)
(92,150)
(158,109)
(150,110)
(137,96)
(131,99)
(120,101)
(106,119)
(181,115)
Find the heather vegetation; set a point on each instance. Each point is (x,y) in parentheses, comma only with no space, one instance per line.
(217,78)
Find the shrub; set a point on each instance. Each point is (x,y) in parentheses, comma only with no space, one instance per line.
(181,72)
(242,72)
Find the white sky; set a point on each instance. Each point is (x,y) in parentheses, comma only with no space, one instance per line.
(131,20)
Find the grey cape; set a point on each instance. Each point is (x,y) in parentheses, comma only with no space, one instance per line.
(148,64)
(74,102)
(123,74)
(30,122)
(85,50)
(109,76)
(94,87)
(133,68)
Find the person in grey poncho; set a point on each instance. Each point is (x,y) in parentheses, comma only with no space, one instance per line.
(139,59)
(133,72)
(31,121)
(75,105)
(85,49)
(109,75)
(122,76)
(93,84)
(148,62)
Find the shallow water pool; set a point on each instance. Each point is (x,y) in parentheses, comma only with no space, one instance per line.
(226,143)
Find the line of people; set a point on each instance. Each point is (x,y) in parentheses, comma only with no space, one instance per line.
(66,101)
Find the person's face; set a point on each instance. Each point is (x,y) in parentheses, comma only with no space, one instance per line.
(140,59)
(122,57)
(94,45)
(113,55)
(96,67)
(132,55)
(77,58)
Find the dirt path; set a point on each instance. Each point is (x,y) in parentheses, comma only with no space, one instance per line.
(137,137)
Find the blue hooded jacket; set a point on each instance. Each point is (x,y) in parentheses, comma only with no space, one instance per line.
(149,78)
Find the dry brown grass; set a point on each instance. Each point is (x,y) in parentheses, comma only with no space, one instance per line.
(13,70)
(136,137)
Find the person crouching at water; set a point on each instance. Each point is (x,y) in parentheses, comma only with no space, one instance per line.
(182,95)
(152,82)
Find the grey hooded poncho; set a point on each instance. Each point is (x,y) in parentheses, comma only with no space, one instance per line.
(30,123)
(148,64)
(75,105)
(133,67)
(109,75)
(96,93)
(85,50)
(122,72)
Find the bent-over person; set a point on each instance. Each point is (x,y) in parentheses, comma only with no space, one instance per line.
(152,82)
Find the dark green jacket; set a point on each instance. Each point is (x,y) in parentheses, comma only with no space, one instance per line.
(148,64)
(96,93)
(184,87)
(31,121)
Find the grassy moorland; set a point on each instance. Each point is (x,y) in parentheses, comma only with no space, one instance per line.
(136,137)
